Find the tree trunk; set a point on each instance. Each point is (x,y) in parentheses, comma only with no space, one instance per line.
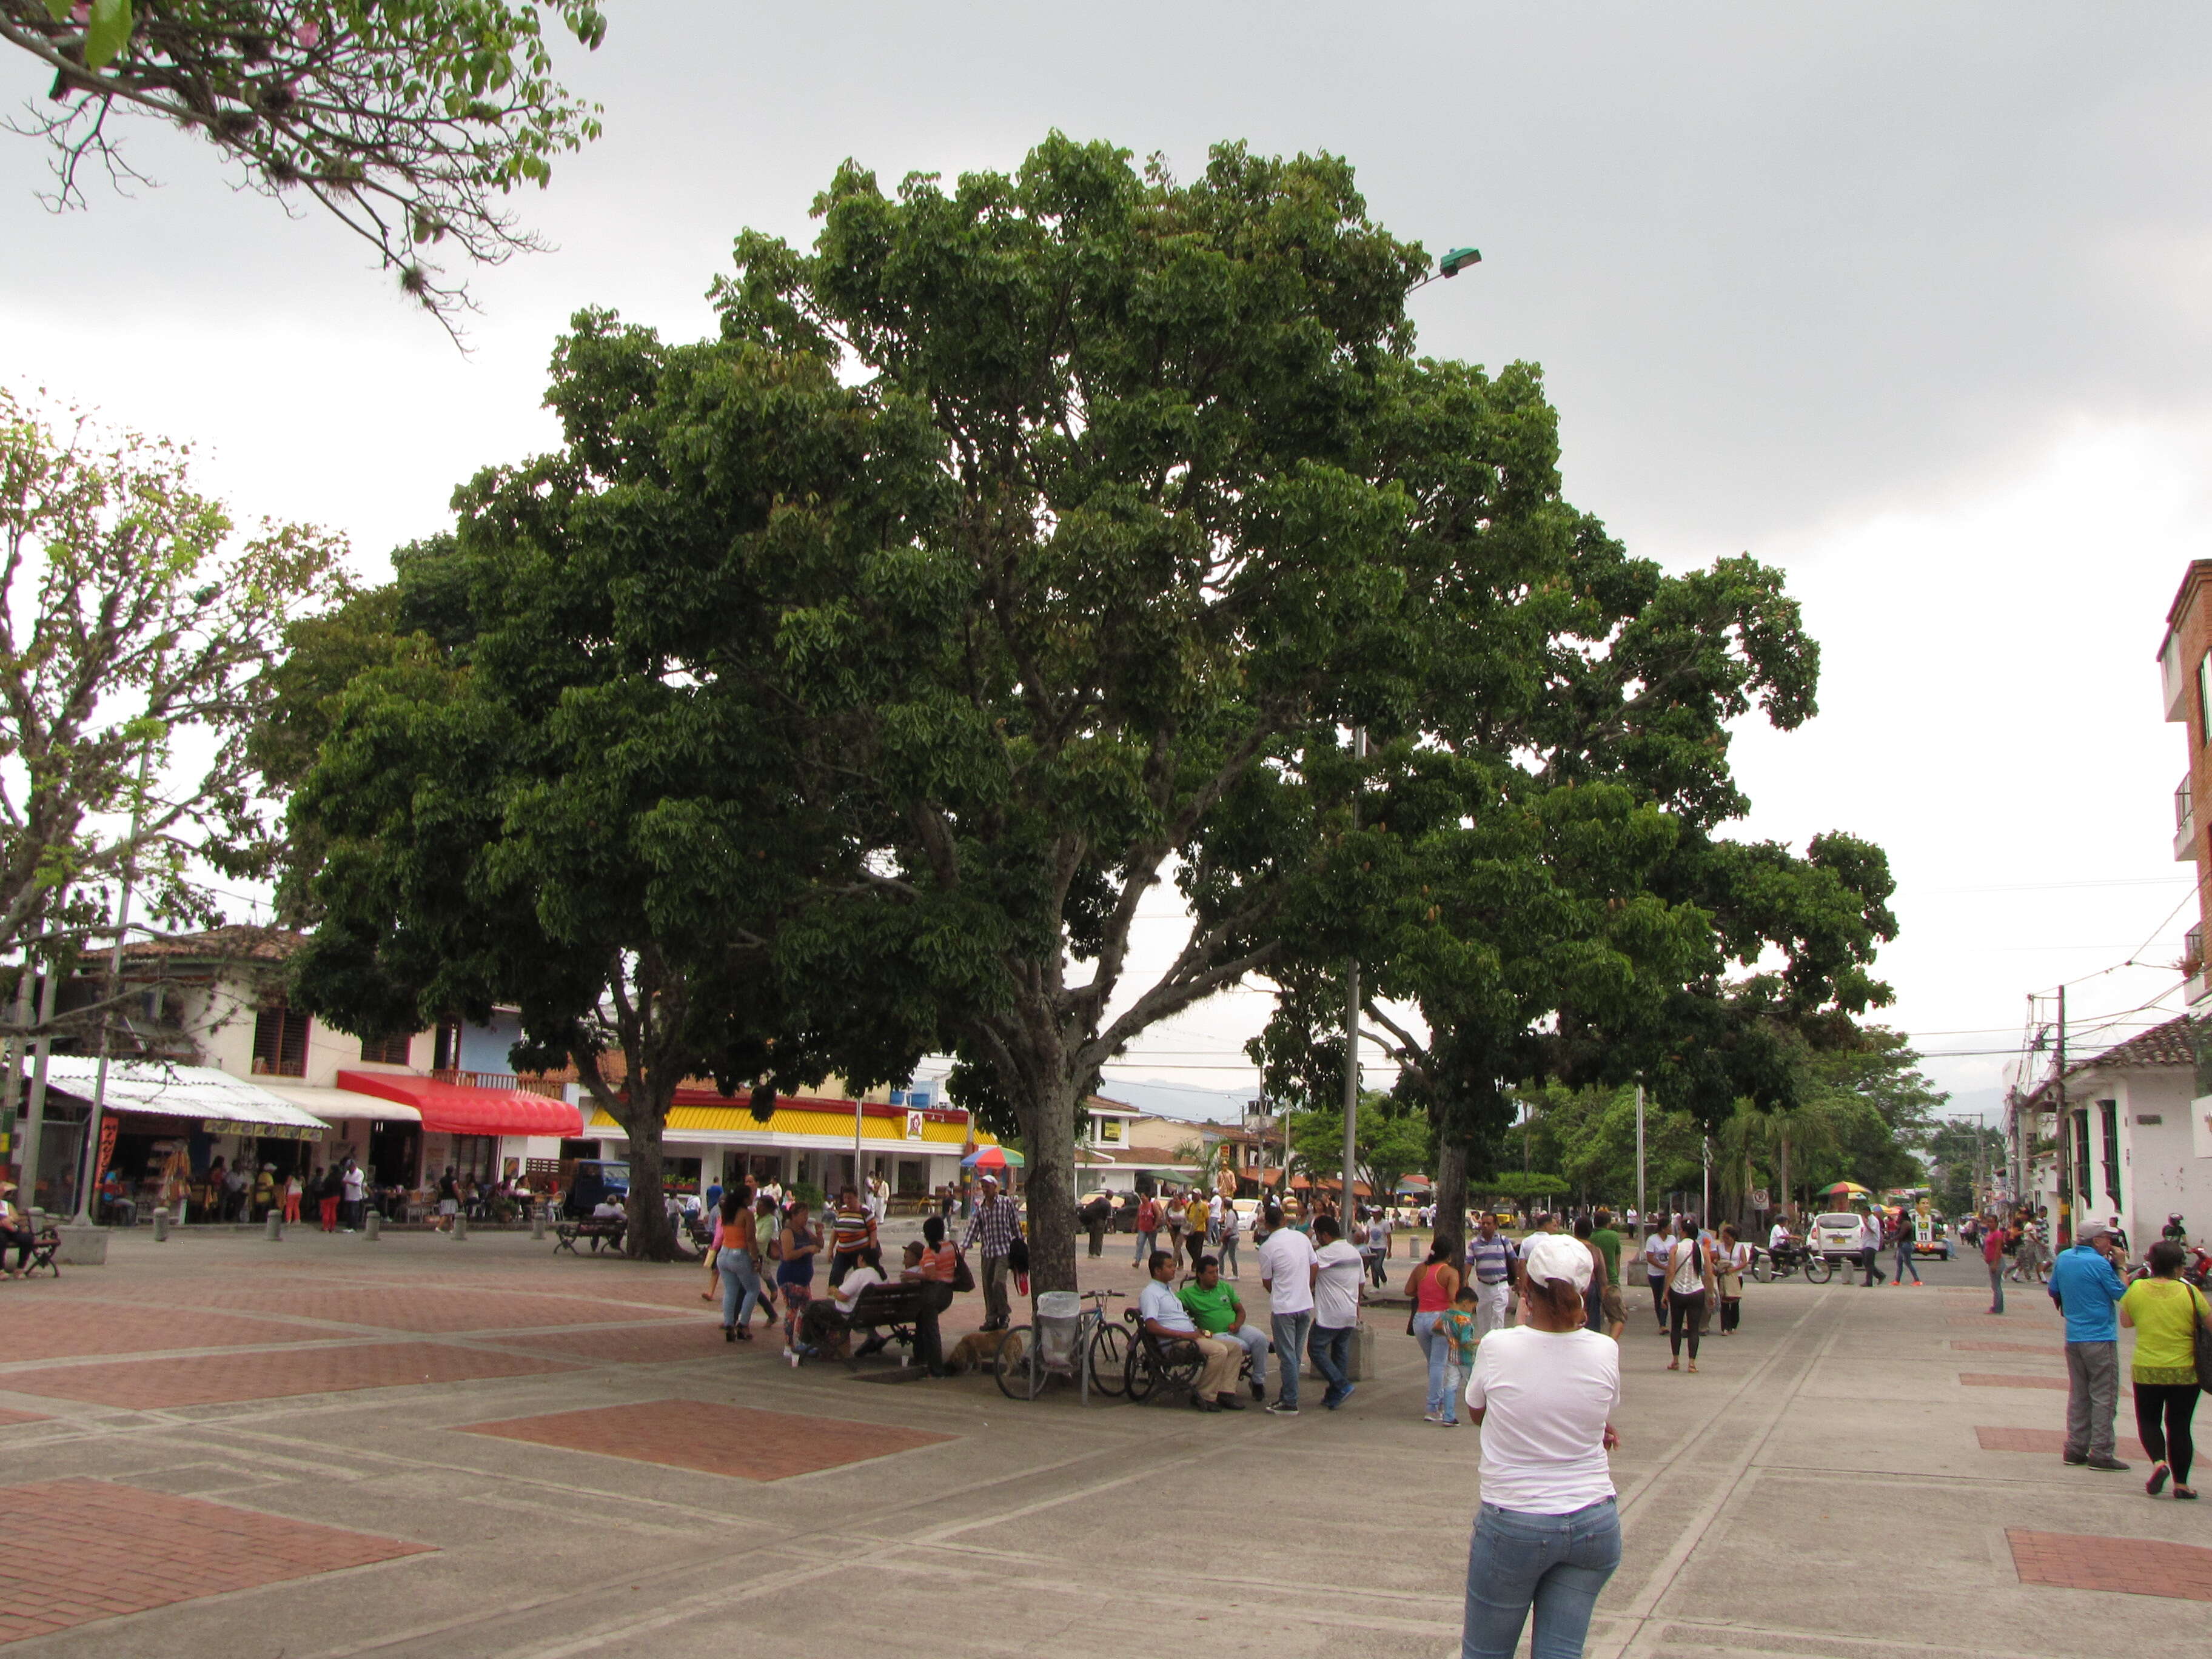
(1450,1190)
(1049,1142)
(1788,1198)
(650,1236)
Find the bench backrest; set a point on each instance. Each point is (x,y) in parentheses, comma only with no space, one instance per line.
(884,1303)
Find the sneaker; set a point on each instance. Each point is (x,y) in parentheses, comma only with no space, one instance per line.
(1349,1390)
(1228,1403)
(1448,1422)
(1279,1409)
(2109,1464)
(2073,1457)
(1432,1417)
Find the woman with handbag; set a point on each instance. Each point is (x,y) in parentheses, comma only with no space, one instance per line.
(2173,1323)
(1689,1292)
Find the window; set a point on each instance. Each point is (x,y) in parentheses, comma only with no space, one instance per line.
(2081,1186)
(280,1043)
(1110,1130)
(2205,699)
(447,1057)
(2109,1112)
(388,1050)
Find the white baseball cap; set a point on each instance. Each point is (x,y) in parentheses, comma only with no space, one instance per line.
(1555,1255)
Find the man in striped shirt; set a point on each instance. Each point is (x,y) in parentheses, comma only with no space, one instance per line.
(1490,1260)
(851,1230)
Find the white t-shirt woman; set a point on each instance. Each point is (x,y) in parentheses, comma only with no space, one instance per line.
(1547,1535)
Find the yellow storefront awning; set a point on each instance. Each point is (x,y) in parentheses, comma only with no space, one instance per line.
(735,1121)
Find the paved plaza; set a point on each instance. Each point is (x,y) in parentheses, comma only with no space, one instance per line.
(219,1448)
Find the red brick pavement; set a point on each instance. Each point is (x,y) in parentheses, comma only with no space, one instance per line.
(2052,1350)
(650,1345)
(80,1551)
(431,1309)
(2051,1442)
(1986,1321)
(63,1329)
(213,1379)
(2132,1567)
(2005,1380)
(715,1439)
(7,1417)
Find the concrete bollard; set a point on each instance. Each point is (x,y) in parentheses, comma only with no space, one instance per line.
(371,1226)
(460,1225)
(537,1221)
(161,1223)
(1360,1355)
(273,1229)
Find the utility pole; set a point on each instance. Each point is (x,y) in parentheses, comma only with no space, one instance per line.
(2062,1227)
(1348,1212)
(1643,1214)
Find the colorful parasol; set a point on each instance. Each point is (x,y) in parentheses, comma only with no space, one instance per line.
(992,1158)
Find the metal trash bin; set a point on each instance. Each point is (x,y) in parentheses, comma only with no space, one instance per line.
(1057,1314)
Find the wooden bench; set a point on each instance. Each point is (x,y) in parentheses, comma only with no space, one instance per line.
(46,1242)
(566,1233)
(894,1310)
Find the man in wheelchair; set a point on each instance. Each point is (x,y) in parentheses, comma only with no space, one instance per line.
(1212,1302)
(1168,1322)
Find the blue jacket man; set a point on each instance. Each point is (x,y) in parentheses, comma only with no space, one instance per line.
(2088,1292)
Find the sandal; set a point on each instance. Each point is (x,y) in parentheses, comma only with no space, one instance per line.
(1694,1368)
(2159,1471)
(1673,1365)
(2186,1494)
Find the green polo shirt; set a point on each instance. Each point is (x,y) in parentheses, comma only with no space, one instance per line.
(1212,1311)
(1609,1242)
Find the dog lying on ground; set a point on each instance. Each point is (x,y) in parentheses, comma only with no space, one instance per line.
(979,1349)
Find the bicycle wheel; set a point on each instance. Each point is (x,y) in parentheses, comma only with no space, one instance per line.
(1110,1372)
(1018,1375)
(1138,1378)
(1818,1269)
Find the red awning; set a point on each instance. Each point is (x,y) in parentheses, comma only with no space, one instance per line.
(455,1108)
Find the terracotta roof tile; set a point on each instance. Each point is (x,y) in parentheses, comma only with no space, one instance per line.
(220,944)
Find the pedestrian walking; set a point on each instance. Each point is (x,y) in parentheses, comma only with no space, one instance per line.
(1689,1293)
(1490,1262)
(1658,1249)
(998,1223)
(1871,1248)
(1993,1249)
(2167,1313)
(1232,1224)
(293,1189)
(1609,1242)
(1594,1293)
(1456,1328)
(1378,1250)
(1148,1230)
(797,1245)
(1730,1261)
(1908,1235)
(1435,1287)
(1547,1534)
(2087,1292)
(1287,1273)
(327,1193)
(736,1256)
(1338,1272)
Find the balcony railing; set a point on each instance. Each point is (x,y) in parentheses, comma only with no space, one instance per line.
(2182,810)
(2192,951)
(551,1088)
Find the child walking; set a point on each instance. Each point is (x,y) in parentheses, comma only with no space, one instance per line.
(1456,1328)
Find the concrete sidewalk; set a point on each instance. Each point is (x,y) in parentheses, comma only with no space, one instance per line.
(329,1448)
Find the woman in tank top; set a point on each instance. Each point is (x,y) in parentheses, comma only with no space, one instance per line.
(1434,1285)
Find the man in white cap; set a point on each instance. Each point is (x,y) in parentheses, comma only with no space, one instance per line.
(998,1223)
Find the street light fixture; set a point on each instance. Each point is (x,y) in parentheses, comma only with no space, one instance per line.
(1458,260)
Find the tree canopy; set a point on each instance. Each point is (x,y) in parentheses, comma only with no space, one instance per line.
(136,624)
(408,120)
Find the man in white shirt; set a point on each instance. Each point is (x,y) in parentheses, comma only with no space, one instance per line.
(1658,1247)
(1287,1273)
(1338,1272)
(1778,1234)
(351,1187)
(1870,1249)
(1168,1319)
(1378,1249)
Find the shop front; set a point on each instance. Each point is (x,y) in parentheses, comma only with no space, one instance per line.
(171,1133)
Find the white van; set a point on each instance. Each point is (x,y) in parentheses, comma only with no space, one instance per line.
(1836,1234)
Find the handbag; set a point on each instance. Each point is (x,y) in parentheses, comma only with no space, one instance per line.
(2198,1306)
(964,1277)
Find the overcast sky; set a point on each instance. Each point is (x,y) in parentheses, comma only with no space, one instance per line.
(1907,299)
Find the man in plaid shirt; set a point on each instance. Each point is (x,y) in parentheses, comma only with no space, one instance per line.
(998,1223)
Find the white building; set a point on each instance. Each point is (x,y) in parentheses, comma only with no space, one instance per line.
(2141,1139)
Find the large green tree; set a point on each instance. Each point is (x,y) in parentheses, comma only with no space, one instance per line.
(410,121)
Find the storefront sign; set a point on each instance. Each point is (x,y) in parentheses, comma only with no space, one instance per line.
(223,1125)
(110,1126)
(914,1121)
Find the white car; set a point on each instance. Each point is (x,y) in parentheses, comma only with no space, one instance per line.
(1836,1233)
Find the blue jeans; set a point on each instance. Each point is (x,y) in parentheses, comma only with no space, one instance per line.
(1437,1351)
(1996,1287)
(1290,1331)
(1556,1564)
(1330,1346)
(740,1287)
(1905,1264)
